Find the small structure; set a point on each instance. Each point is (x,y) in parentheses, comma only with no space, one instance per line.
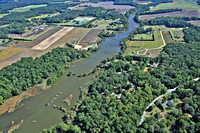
(148,53)
(170,102)
(133,52)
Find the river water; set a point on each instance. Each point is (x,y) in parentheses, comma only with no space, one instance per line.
(34,109)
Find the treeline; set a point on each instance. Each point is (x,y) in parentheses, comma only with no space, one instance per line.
(160,11)
(27,72)
(170,21)
(192,34)
(140,30)
(178,63)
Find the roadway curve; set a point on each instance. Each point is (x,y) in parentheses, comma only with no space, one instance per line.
(168,91)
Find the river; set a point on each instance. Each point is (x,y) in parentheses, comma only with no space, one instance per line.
(34,109)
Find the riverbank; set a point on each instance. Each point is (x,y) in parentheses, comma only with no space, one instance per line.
(11,103)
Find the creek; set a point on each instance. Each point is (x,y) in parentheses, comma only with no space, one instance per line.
(33,111)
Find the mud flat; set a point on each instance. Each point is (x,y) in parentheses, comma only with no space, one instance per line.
(68,99)
(52,39)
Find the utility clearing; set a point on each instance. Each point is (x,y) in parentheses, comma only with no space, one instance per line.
(52,39)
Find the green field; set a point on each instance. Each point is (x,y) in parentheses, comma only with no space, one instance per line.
(179,4)
(27,8)
(101,24)
(143,36)
(177,35)
(38,17)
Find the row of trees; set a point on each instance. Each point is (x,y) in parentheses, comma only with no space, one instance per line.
(160,11)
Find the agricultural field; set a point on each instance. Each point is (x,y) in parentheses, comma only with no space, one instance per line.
(32,34)
(167,37)
(26,8)
(195,22)
(8,52)
(91,37)
(191,13)
(52,39)
(109,5)
(178,4)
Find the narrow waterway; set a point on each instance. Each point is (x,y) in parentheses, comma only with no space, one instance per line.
(34,110)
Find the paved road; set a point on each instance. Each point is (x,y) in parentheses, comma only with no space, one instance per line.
(168,91)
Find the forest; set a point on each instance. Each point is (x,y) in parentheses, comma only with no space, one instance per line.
(128,90)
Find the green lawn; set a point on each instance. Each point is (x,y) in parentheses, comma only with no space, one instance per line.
(27,8)
(143,36)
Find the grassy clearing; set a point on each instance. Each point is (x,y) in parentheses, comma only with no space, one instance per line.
(144,36)
(27,8)
(1,15)
(177,35)
(8,52)
(142,45)
(179,4)
(38,17)
(101,24)
(155,52)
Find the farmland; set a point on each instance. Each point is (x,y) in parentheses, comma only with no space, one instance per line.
(8,52)
(179,4)
(38,17)
(36,48)
(109,5)
(91,37)
(195,22)
(52,39)
(191,13)
(27,8)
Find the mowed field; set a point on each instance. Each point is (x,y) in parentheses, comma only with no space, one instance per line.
(109,5)
(193,13)
(52,39)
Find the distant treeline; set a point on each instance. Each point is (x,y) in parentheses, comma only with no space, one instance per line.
(160,11)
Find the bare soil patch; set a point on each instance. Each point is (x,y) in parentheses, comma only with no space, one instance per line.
(52,39)
(110,5)
(172,14)
(195,22)
(91,37)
